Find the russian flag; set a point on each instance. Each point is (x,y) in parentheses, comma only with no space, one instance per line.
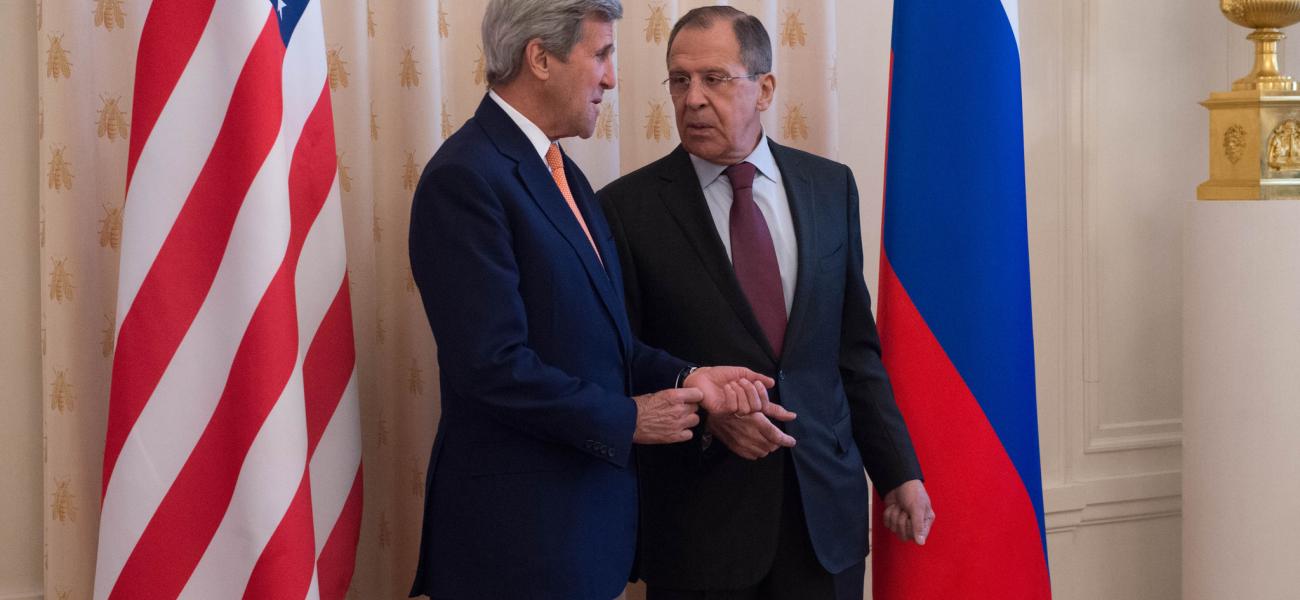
(954,312)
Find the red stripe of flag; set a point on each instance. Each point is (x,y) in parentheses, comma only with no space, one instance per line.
(181,275)
(338,557)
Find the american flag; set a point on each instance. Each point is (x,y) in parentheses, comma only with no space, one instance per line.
(232,464)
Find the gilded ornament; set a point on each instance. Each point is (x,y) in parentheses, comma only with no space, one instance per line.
(445,122)
(1284,147)
(370,20)
(110,120)
(374,123)
(415,380)
(337,69)
(385,531)
(657,27)
(60,281)
(381,429)
(605,129)
(381,334)
(415,477)
(795,125)
(62,506)
(345,180)
(62,398)
(444,29)
(410,172)
(106,340)
(1267,18)
(110,228)
(1234,143)
(657,127)
(792,30)
(480,68)
(110,14)
(63,593)
(410,74)
(57,64)
(60,172)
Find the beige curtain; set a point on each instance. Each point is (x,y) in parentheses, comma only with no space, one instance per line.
(403,75)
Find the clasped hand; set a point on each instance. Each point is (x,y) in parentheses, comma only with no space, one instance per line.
(667,416)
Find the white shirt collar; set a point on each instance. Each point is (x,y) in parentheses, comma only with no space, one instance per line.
(761,158)
(540,142)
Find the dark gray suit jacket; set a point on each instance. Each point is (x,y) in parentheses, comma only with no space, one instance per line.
(709,519)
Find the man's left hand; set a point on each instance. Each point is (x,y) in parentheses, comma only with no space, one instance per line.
(908,513)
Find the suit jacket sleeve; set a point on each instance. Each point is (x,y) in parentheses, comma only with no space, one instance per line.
(464,262)
(878,427)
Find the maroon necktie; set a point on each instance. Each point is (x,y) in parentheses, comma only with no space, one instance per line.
(754,258)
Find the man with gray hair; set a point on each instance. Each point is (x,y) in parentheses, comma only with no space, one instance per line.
(762,243)
(531,491)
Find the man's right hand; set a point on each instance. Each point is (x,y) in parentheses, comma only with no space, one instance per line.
(752,436)
(667,416)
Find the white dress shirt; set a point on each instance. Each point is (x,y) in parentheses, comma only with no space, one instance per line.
(769,194)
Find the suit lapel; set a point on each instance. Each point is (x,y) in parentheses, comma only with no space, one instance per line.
(536,178)
(685,201)
(800,192)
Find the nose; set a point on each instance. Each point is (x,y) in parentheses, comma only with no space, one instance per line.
(609,79)
(695,97)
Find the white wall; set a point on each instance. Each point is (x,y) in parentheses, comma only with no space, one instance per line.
(20,377)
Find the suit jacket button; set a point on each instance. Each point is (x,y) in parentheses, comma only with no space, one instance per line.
(780,375)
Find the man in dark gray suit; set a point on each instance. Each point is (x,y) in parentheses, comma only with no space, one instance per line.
(737,250)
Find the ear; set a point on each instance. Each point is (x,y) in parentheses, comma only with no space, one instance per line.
(537,60)
(766,90)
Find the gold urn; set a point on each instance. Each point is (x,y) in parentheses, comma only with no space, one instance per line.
(1255,128)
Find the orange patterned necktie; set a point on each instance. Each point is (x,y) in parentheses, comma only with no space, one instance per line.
(556,163)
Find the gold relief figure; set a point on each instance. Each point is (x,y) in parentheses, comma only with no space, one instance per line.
(657,127)
(63,593)
(57,64)
(338,68)
(656,27)
(110,228)
(792,30)
(370,20)
(381,334)
(480,68)
(1284,147)
(60,173)
(1234,143)
(376,230)
(374,123)
(605,122)
(795,125)
(415,381)
(415,477)
(60,281)
(444,29)
(410,172)
(110,14)
(381,429)
(62,505)
(106,340)
(445,122)
(62,397)
(345,179)
(410,75)
(385,531)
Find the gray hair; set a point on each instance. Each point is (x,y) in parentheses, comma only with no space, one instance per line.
(755,45)
(508,26)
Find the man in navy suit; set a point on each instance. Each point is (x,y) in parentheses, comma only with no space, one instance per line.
(532,490)
(762,243)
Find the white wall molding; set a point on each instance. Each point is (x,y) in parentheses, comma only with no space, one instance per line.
(1112,500)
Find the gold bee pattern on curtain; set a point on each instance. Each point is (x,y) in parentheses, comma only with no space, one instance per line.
(403,76)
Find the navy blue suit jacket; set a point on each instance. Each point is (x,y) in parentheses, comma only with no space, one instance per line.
(531,491)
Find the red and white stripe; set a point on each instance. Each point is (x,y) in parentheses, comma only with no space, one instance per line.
(232,463)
